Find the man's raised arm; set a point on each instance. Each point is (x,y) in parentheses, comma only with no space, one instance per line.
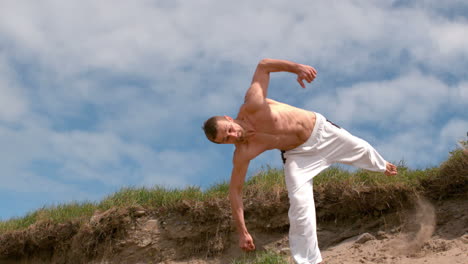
(258,89)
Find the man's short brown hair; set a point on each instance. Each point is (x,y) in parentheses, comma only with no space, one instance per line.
(211,127)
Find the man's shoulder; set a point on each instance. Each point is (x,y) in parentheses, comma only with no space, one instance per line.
(241,150)
(240,155)
(247,151)
(252,107)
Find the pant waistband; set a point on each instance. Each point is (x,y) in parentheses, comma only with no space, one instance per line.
(319,122)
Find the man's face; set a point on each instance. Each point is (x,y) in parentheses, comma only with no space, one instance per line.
(229,132)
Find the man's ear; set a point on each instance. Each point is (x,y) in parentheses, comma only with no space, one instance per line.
(229,118)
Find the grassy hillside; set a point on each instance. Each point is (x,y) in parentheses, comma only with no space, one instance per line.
(436,182)
(338,194)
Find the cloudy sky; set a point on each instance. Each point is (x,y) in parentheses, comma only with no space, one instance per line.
(98,95)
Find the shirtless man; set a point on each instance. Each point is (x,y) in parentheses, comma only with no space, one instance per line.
(309,144)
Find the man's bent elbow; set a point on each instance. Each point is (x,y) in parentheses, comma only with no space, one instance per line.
(263,62)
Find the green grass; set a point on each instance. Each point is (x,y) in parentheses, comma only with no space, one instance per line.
(152,197)
(264,257)
(155,197)
(58,214)
(18,222)
(268,180)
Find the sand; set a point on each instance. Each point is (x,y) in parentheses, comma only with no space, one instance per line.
(396,248)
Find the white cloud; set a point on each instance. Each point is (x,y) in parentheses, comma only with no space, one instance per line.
(423,147)
(174,168)
(112,91)
(414,146)
(406,109)
(107,158)
(459,94)
(150,40)
(83,157)
(411,99)
(454,131)
(13,102)
(347,37)
(450,39)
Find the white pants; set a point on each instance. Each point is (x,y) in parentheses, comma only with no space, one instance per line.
(327,144)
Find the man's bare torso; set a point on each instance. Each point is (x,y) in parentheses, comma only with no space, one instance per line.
(274,126)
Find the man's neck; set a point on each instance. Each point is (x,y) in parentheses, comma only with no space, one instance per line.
(244,124)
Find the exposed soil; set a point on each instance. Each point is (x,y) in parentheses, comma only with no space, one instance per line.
(425,232)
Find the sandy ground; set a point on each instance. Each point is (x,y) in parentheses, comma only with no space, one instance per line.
(426,240)
(385,248)
(398,249)
(430,235)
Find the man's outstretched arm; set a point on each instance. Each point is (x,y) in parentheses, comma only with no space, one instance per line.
(258,89)
(235,196)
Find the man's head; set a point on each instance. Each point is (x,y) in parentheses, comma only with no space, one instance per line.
(223,130)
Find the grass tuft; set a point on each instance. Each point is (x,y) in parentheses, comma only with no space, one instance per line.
(150,197)
(78,211)
(263,257)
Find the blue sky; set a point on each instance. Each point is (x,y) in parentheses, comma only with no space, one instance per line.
(98,95)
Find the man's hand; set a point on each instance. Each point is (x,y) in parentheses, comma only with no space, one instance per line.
(246,242)
(391,169)
(305,72)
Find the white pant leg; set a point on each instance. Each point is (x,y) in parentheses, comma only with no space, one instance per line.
(301,165)
(340,146)
(303,227)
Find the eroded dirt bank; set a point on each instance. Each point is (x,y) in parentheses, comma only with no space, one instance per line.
(202,233)
(386,223)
